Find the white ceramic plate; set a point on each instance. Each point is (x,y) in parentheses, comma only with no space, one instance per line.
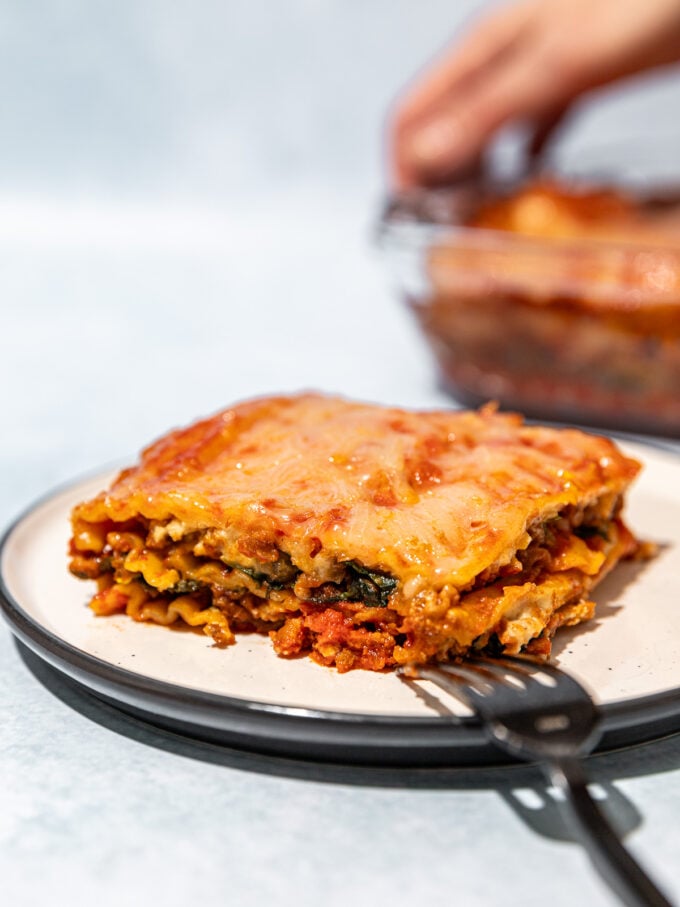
(628,657)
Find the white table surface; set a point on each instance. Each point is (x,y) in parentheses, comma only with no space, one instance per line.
(123,323)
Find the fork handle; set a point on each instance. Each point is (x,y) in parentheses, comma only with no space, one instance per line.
(611,859)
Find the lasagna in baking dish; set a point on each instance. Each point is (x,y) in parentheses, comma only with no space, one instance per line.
(363,536)
(586,284)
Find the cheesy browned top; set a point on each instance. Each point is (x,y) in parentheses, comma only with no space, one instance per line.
(432,498)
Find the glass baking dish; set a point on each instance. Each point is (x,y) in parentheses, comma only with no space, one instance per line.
(564,305)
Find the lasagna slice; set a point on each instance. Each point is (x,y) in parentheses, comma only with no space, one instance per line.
(363,536)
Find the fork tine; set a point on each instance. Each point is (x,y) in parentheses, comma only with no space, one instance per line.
(453,681)
(509,664)
(471,672)
(481,669)
(500,672)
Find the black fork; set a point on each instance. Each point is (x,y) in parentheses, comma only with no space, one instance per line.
(538,713)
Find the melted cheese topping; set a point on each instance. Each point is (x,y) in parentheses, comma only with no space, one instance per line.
(432,498)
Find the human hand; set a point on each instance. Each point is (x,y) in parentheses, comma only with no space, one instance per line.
(528,62)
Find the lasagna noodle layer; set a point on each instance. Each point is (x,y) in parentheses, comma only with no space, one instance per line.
(364,536)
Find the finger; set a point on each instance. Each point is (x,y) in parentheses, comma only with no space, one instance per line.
(487,40)
(520,90)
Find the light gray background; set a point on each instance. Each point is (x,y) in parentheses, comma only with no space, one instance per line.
(187,194)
